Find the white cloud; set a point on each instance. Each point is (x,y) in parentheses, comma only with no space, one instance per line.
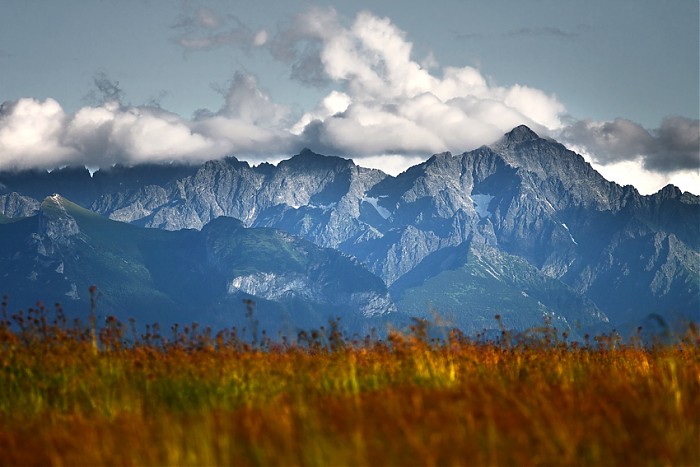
(334,103)
(31,133)
(40,134)
(385,108)
(245,101)
(384,102)
(397,106)
(645,181)
(633,172)
(391,163)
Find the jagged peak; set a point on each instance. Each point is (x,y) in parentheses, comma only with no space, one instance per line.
(670,191)
(521,133)
(228,161)
(54,200)
(438,156)
(233,160)
(690,198)
(55,221)
(306,156)
(307,153)
(56,204)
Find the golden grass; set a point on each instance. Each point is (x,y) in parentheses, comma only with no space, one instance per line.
(197,399)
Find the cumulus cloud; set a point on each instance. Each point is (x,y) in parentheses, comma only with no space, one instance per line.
(244,100)
(391,104)
(633,172)
(31,132)
(673,147)
(384,106)
(36,133)
(383,102)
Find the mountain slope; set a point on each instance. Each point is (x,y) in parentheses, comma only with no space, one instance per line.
(527,197)
(183,276)
(15,205)
(471,283)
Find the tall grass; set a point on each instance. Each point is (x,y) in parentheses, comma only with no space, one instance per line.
(203,399)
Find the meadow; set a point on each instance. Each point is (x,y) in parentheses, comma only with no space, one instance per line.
(89,394)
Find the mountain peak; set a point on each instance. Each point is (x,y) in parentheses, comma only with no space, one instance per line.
(54,220)
(59,206)
(307,153)
(521,134)
(669,192)
(309,158)
(53,200)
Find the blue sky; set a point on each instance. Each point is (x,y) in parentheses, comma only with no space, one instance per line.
(387,83)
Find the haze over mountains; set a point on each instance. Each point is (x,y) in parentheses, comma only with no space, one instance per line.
(523,228)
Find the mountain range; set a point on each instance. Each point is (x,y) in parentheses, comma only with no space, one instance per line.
(523,228)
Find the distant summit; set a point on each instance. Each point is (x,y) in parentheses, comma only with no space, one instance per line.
(521,134)
(310,158)
(670,191)
(525,228)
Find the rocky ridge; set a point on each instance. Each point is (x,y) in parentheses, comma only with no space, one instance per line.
(526,196)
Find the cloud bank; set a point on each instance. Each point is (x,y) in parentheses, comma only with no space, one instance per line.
(384,104)
(37,133)
(673,147)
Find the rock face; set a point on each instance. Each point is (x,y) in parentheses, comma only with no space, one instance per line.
(55,222)
(525,197)
(470,283)
(15,205)
(186,275)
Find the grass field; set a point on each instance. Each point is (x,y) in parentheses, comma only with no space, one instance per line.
(73,396)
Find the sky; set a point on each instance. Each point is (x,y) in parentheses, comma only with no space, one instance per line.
(388,83)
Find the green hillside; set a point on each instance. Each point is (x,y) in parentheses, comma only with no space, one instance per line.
(181,276)
(469,284)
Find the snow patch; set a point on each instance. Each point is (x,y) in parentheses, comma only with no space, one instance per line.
(481,204)
(251,214)
(570,236)
(385,213)
(324,207)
